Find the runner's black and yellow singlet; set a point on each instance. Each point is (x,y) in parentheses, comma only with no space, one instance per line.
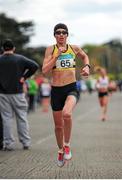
(66,61)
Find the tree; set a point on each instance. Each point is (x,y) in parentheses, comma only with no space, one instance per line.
(20,33)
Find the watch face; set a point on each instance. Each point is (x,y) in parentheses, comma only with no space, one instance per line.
(87,65)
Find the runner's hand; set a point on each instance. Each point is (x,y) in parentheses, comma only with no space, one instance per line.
(22,80)
(61,50)
(85,72)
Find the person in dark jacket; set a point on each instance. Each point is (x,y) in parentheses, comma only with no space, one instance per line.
(14,70)
(1,133)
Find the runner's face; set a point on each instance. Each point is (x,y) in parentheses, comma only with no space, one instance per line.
(103,72)
(61,35)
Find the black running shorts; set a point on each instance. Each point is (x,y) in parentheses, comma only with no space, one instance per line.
(102,94)
(59,95)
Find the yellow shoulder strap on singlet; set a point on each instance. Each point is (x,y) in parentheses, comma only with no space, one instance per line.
(69,50)
(55,49)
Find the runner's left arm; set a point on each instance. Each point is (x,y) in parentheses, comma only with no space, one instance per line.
(83,56)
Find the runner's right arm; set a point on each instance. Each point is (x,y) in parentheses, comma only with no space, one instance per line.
(50,59)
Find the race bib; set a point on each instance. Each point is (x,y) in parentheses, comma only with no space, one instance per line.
(65,61)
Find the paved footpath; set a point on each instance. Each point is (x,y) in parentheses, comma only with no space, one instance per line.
(96,145)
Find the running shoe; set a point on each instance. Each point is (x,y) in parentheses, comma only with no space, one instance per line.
(26,147)
(8,149)
(67,153)
(60,160)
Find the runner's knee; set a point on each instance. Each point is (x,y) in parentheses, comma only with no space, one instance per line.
(58,127)
(66,116)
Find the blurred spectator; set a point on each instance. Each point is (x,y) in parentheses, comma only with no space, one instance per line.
(102,87)
(119,84)
(83,86)
(78,84)
(32,94)
(89,86)
(39,80)
(45,91)
(1,133)
(112,87)
(14,70)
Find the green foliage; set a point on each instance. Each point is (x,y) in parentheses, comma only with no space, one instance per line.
(20,33)
(112,76)
(108,55)
(35,53)
(89,48)
(120,76)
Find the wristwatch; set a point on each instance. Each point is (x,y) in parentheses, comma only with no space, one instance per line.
(87,65)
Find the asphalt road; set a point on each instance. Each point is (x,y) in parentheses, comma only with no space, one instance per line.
(96,145)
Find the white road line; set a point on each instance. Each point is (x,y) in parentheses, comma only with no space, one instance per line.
(44,139)
(78,118)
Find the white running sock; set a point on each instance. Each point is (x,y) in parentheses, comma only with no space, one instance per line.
(60,150)
(67,144)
